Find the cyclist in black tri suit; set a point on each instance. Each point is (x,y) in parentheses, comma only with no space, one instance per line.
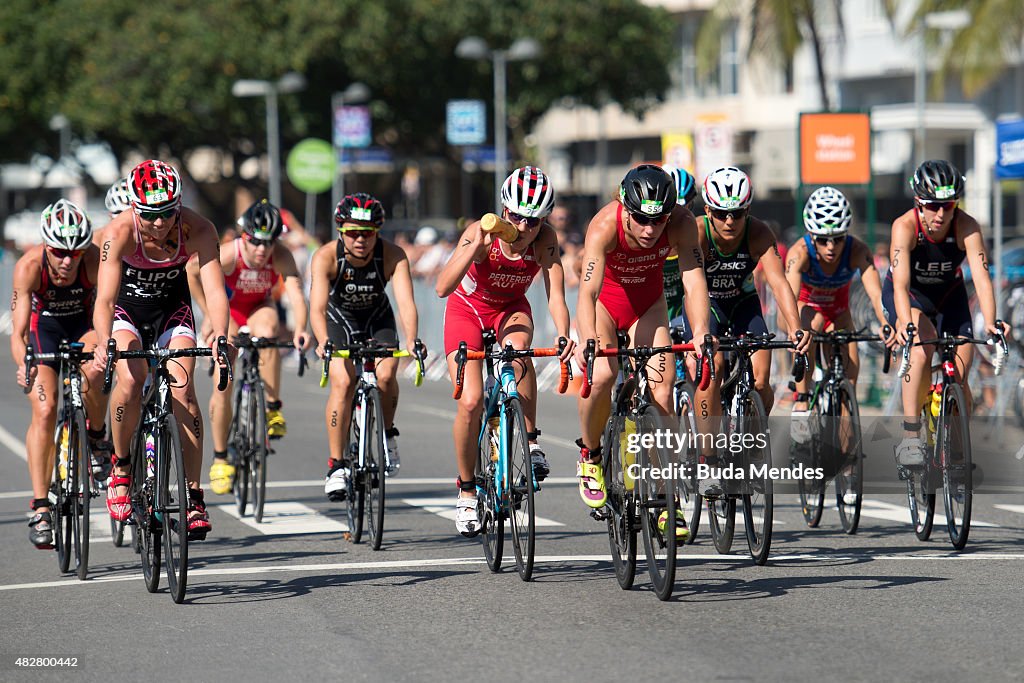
(52,300)
(142,297)
(347,300)
(925,286)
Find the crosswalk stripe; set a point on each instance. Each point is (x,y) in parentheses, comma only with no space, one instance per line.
(444,507)
(877,509)
(281,518)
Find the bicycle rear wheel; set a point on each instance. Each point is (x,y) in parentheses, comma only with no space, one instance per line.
(850,478)
(373,475)
(921,489)
(690,501)
(173,502)
(79,458)
(356,494)
(811,455)
(519,484)
(657,498)
(758,503)
(148,523)
(490,511)
(238,441)
(62,524)
(954,442)
(258,449)
(622,524)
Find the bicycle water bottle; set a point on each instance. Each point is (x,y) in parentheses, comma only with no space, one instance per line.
(936,406)
(150,456)
(493,427)
(63,452)
(628,458)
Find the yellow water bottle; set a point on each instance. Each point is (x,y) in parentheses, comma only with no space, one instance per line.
(493,425)
(628,458)
(63,455)
(936,402)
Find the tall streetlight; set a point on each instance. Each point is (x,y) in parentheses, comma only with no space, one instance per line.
(291,82)
(473,47)
(354,93)
(947,21)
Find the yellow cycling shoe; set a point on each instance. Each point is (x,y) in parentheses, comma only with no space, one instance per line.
(222,475)
(592,489)
(276,425)
(682,533)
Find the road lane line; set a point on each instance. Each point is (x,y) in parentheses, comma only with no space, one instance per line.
(13,443)
(877,509)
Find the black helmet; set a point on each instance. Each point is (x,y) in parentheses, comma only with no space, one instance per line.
(262,221)
(359,207)
(648,190)
(937,180)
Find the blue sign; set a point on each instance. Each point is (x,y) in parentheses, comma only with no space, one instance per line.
(479,155)
(352,126)
(466,122)
(1010,149)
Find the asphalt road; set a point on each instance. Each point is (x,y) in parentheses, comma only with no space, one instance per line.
(291,597)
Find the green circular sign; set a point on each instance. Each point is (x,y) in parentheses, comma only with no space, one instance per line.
(312,165)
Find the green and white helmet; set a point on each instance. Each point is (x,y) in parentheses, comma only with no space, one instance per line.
(65,226)
(827,212)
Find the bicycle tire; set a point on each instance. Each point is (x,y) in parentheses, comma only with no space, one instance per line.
(688,485)
(62,531)
(173,501)
(761,498)
(489,510)
(355,497)
(259,450)
(659,547)
(954,440)
(622,524)
(239,438)
(149,526)
(850,478)
(812,489)
(80,455)
(520,487)
(373,475)
(921,491)
(117,530)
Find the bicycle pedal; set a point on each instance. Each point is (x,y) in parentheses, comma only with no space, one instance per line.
(601,514)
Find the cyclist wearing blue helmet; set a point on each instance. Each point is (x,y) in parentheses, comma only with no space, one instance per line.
(686,188)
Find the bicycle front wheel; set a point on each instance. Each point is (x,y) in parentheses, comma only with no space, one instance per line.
(173,502)
(657,504)
(690,501)
(148,521)
(520,486)
(954,442)
(79,458)
(758,502)
(850,478)
(258,450)
(373,473)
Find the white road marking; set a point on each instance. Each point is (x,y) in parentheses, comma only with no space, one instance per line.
(1011,508)
(280,518)
(445,507)
(449,415)
(900,513)
(13,443)
(400,565)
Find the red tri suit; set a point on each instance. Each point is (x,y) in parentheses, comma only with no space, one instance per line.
(248,288)
(491,292)
(632,277)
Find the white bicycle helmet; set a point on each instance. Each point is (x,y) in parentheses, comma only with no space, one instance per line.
(827,212)
(528,192)
(118,199)
(727,189)
(65,226)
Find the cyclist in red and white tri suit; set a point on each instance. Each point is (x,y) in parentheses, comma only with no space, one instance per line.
(485,282)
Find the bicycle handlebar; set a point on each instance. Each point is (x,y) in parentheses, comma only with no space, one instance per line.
(72,351)
(366,352)
(160,355)
(508,354)
(705,370)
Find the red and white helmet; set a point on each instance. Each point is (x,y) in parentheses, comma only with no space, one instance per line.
(65,226)
(154,185)
(528,192)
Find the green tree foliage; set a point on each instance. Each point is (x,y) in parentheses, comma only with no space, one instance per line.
(157,78)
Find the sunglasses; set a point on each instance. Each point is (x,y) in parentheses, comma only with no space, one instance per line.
(723,216)
(826,241)
(62,254)
(356,233)
(935,206)
(256,242)
(156,215)
(514,217)
(640,219)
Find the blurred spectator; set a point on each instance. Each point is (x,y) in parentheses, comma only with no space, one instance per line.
(561,220)
(434,253)
(882,257)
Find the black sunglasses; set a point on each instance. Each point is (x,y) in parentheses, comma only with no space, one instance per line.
(356,233)
(155,215)
(935,206)
(721,215)
(825,241)
(640,219)
(256,242)
(514,217)
(62,254)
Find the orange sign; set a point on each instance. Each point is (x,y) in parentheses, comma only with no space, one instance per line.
(835,149)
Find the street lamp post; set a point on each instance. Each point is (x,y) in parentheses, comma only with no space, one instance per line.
(291,82)
(473,47)
(355,92)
